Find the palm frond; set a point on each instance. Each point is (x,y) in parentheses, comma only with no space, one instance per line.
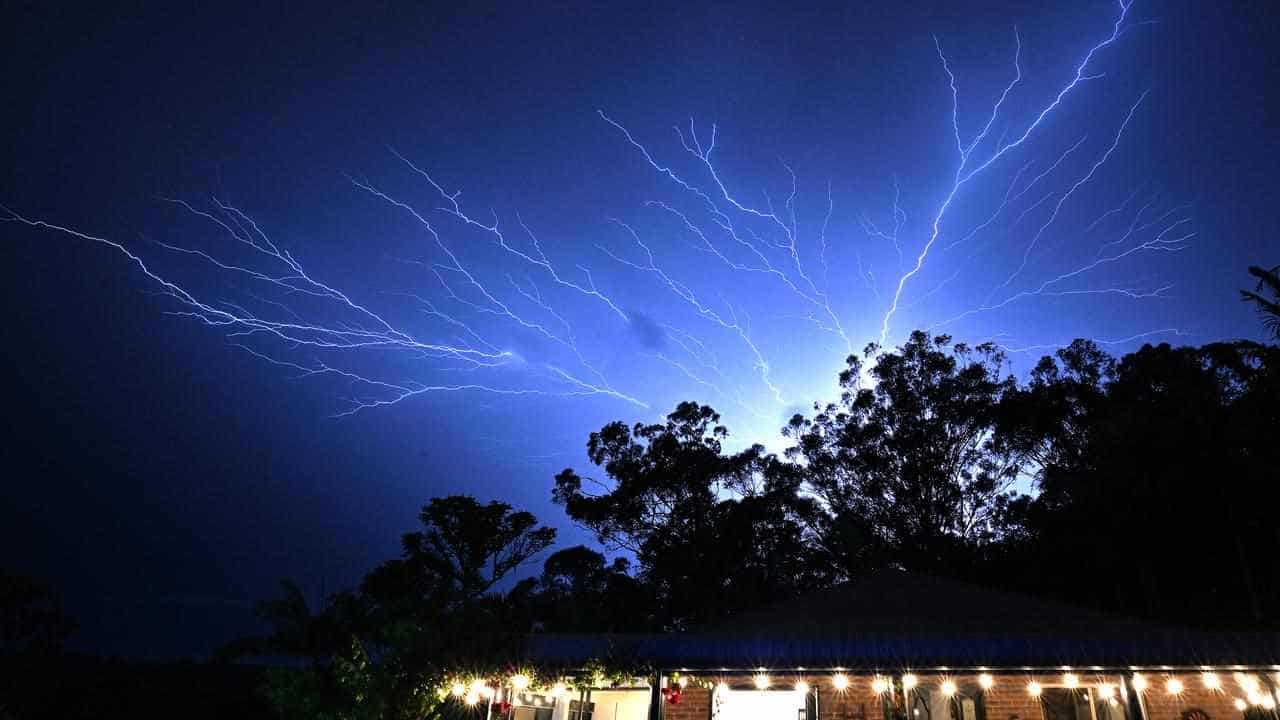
(1269,279)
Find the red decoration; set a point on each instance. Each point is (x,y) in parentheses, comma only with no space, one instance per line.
(504,707)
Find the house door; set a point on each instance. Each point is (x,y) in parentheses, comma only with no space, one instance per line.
(760,705)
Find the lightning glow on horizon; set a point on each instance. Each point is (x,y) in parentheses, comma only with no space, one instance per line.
(527,321)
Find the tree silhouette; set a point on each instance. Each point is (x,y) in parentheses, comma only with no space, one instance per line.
(905,463)
(1268,308)
(713,533)
(1143,464)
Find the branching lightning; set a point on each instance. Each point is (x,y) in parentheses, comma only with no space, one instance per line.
(498,310)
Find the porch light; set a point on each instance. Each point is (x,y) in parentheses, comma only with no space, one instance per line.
(1139,683)
(1034,689)
(762,681)
(985,681)
(1173,686)
(840,682)
(879,686)
(1211,681)
(909,681)
(948,688)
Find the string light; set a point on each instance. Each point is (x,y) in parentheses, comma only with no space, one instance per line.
(1248,682)
(1254,696)
(1139,682)
(722,687)
(802,687)
(683,681)
(558,690)
(1173,686)
(879,685)
(1241,705)
(472,698)
(985,681)
(477,685)
(1106,691)
(762,681)
(458,689)
(840,682)
(1071,680)
(519,682)
(1034,689)
(909,681)
(1268,703)
(948,688)
(1211,681)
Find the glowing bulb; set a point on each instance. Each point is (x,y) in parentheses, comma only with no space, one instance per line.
(1139,683)
(986,682)
(537,700)
(519,682)
(1173,686)
(472,698)
(879,685)
(948,688)
(1070,680)
(486,692)
(1034,689)
(762,681)
(477,685)
(722,687)
(909,681)
(558,690)
(840,681)
(1248,682)
(1106,691)
(1241,705)
(1254,696)
(683,681)
(1211,681)
(458,689)
(802,687)
(1268,703)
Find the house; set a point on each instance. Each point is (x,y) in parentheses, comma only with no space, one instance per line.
(899,646)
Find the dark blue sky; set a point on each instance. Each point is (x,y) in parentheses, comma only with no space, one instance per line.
(162,480)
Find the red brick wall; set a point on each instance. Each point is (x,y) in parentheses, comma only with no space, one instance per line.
(1008,699)
(1160,705)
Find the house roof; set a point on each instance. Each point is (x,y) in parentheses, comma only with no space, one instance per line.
(898,619)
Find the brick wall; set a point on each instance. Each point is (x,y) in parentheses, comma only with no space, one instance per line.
(1219,704)
(1008,699)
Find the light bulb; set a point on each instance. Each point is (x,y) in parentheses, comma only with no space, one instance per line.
(840,681)
(948,688)
(986,681)
(1034,689)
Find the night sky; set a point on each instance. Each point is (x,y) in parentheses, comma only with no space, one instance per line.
(163,474)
